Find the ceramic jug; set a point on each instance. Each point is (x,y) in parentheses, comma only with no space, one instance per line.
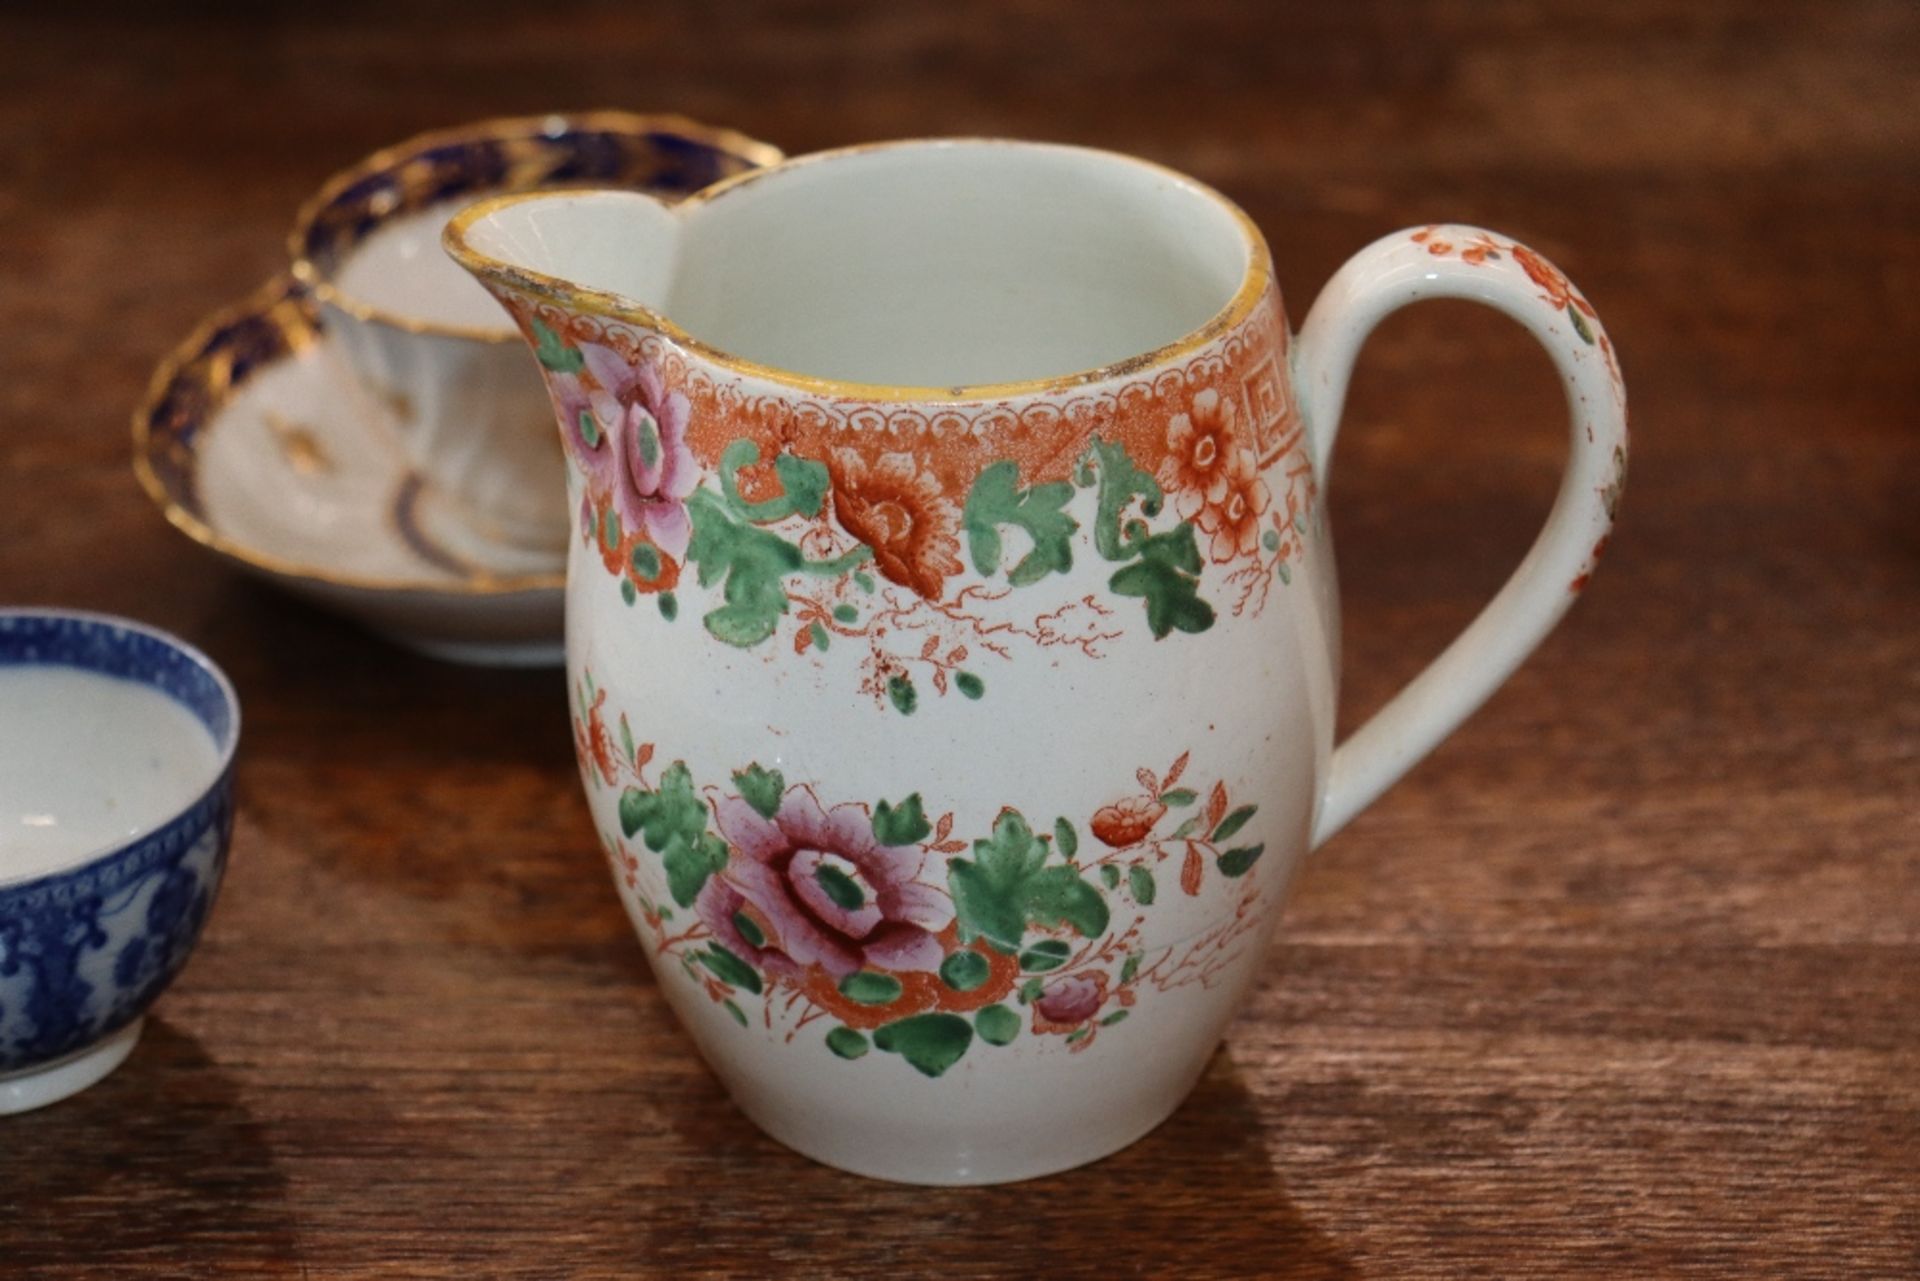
(951,616)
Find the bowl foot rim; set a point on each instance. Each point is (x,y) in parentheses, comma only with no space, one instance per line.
(46,1083)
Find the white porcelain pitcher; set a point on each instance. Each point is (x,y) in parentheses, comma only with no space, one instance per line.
(952,623)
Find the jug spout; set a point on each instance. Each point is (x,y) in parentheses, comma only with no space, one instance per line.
(915,365)
(606,248)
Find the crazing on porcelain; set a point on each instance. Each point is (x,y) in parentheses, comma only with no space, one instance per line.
(877,925)
(916,531)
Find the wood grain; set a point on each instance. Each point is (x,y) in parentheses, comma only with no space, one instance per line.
(1622,982)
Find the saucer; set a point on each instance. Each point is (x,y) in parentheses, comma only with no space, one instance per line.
(258,443)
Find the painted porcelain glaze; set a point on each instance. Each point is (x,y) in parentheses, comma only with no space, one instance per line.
(952,625)
(424,340)
(124,738)
(257,441)
(56,802)
(400,268)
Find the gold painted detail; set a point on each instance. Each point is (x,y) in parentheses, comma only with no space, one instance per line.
(183,401)
(1256,282)
(418,175)
(299,445)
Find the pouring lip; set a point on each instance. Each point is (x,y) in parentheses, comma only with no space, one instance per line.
(1256,280)
(318,280)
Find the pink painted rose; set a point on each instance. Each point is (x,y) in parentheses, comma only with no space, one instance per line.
(829,893)
(628,434)
(725,911)
(1067,1002)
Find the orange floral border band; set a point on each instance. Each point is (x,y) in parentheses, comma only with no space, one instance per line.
(835,517)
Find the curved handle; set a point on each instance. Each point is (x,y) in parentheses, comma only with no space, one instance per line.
(1466,262)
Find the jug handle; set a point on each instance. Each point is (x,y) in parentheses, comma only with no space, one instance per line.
(1467,262)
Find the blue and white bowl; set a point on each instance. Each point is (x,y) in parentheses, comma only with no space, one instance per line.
(116,809)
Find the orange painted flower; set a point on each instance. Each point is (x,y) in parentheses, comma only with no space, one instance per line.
(1234,518)
(591,740)
(1544,274)
(901,513)
(1199,444)
(1127,822)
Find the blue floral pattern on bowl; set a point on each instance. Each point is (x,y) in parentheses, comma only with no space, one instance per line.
(84,951)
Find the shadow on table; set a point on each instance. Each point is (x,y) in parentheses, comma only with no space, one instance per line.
(159,1161)
(1199,1197)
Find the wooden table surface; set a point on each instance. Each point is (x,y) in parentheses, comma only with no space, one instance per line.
(1624,981)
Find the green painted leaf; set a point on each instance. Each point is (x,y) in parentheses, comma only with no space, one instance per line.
(1233,823)
(997,1024)
(1113,1018)
(1047,954)
(1065,839)
(1030,991)
(1140,885)
(818,635)
(863,580)
(1120,483)
(845,613)
(843,890)
(902,824)
(554,353)
(610,533)
(1058,896)
(1077,1035)
(689,862)
(805,482)
(1188,828)
(1271,540)
(996,499)
(673,822)
(1131,968)
(1110,876)
(589,428)
(752,563)
(626,737)
(729,968)
(870,987)
(1236,862)
(1008,886)
(669,605)
(674,809)
(1580,325)
(964,970)
(969,684)
(749,930)
(632,810)
(1286,575)
(645,560)
(932,1043)
(628,593)
(1178,796)
(903,695)
(1167,576)
(846,1043)
(761,788)
(739,1015)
